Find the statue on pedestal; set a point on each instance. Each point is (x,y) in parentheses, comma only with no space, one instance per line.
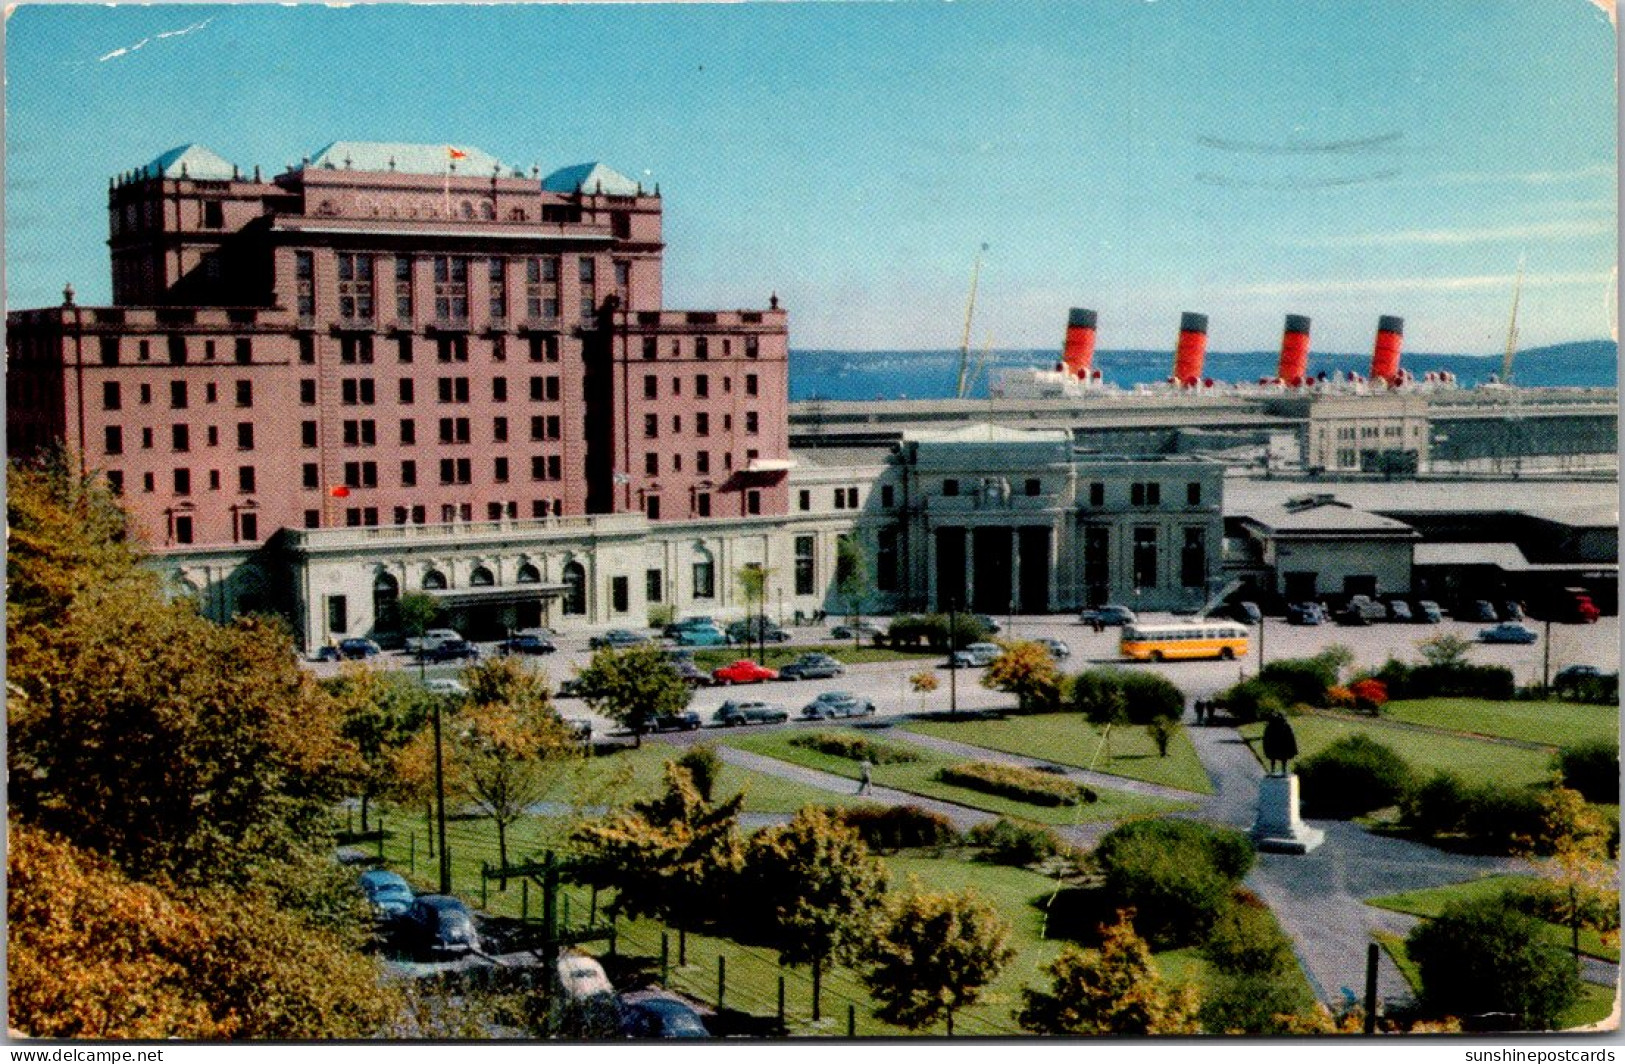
(1278,828)
(1280,745)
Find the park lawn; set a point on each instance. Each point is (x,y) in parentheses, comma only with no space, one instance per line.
(708,658)
(639,772)
(919,777)
(1475,760)
(1594,1005)
(1549,723)
(1431,902)
(1068,739)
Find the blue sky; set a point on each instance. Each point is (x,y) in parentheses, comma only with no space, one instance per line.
(1341,159)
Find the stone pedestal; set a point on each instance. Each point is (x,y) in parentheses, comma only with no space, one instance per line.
(1278,828)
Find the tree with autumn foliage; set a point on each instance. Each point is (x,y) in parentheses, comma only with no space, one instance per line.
(934,955)
(672,857)
(1578,885)
(819,888)
(379,713)
(634,686)
(1027,670)
(1118,991)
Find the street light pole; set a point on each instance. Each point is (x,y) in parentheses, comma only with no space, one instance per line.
(953,663)
(440,802)
(1546,659)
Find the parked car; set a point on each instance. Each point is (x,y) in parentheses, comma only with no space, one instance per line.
(755,630)
(1305,613)
(733,714)
(650,1015)
(989,623)
(691,673)
(1572,677)
(1400,610)
(1510,611)
(1575,606)
(326,653)
(357,649)
(812,667)
(688,720)
(1510,632)
(742,671)
(1478,610)
(1112,616)
(671,630)
(1352,617)
(527,642)
(1057,649)
(1369,607)
(437,924)
(431,639)
(1244,612)
(976,656)
(616,639)
(701,636)
(581,977)
(454,650)
(1427,612)
(854,630)
(442,685)
(832,704)
(388,894)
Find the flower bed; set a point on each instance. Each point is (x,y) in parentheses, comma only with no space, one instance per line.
(854,748)
(1022,784)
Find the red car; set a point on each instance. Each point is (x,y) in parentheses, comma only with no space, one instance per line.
(743,672)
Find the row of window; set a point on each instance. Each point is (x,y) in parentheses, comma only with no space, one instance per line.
(178,349)
(700,347)
(702,424)
(702,462)
(181,481)
(180,394)
(245,527)
(363,432)
(180,438)
(357,348)
(700,504)
(363,391)
(450,513)
(702,385)
(453,471)
(357,288)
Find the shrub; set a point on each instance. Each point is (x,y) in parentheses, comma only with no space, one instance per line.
(1396,677)
(1353,775)
(1098,695)
(704,765)
(1485,956)
(1022,784)
(1369,693)
(898,826)
(1162,731)
(1436,807)
(1177,874)
(1461,680)
(932,629)
(1499,818)
(1246,940)
(1299,679)
(1015,842)
(1150,695)
(1592,768)
(1252,700)
(1339,697)
(854,748)
(1252,1003)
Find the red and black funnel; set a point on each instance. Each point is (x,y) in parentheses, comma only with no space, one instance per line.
(1191,350)
(1385,355)
(1079,353)
(1294,364)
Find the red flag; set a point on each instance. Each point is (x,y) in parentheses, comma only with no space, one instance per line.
(340,492)
(455,154)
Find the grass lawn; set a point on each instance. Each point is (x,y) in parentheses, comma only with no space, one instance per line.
(1551,723)
(1475,760)
(1432,902)
(640,772)
(1594,1005)
(709,658)
(918,777)
(1068,739)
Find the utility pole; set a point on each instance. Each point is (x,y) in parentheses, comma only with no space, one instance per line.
(440,802)
(1546,659)
(953,664)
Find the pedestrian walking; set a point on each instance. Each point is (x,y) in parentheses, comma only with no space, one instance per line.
(865,777)
(1201,709)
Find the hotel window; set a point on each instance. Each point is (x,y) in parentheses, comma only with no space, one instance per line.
(702,348)
(454,430)
(214,436)
(115,481)
(651,507)
(886,559)
(180,438)
(245,435)
(544,348)
(307,433)
(250,522)
(677,423)
(1149,494)
(409,432)
(312,475)
(355,286)
(499,389)
(245,479)
(214,214)
(109,350)
(752,348)
(499,349)
(541,283)
(753,502)
(244,351)
(702,386)
(177,395)
(750,423)
(245,393)
(403,289)
(361,474)
(149,482)
(499,288)
(588,270)
(183,530)
(652,585)
(702,462)
(183,482)
(407,391)
(451,348)
(544,389)
(702,504)
(304,275)
(357,391)
(651,386)
(1145,557)
(146,439)
(623,276)
(705,585)
(456,470)
(409,474)
(499,470)
(451,288)
(111,398)
(403,348)
(208,350)
(651,348)
(804,500)
(499,430)
(113,442)
(750,384)
(453,389)
(354,348)
(651,464)
(804,565)
(313,519)
(210,394)
(651,426)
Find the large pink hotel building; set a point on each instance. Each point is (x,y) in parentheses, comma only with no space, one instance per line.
(397,335)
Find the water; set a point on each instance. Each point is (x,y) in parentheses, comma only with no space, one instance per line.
(934,374)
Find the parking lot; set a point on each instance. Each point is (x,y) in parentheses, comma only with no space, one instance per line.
(886,683)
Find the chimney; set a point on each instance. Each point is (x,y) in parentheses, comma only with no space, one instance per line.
(1079,353)
(1294,364)
(1385,355)
(1192,347)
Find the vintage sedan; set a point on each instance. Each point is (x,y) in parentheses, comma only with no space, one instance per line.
(742,671)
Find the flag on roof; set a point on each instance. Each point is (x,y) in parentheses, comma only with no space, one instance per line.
(455,154)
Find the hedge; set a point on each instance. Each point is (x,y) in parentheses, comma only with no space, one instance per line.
(1459,680)
(854,748)
(1015,842)
(1354,775)
(1022,784)
(1592,768)
(1177,875)
(1143,696)
(1485,956)
(898,826)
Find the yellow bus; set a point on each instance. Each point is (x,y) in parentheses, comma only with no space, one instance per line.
(1188,639)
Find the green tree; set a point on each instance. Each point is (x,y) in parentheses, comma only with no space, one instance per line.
(704,766)
(753,579)
(1162,731)
(933,956)
(379,715)
(634,686)
(820,888)
(1483,956)
(1026,670)
(851,576)
(1117,992)
(1445,650)
(1098,695)
(673,857)
(418,610)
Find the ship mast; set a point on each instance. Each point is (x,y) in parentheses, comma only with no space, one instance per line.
(970,310)
(1512,328)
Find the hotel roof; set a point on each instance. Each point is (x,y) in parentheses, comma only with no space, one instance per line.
(391,157)
(190,160)
(592,178)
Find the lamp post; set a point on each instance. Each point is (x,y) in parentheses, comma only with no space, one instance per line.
(953,663)
(440,802)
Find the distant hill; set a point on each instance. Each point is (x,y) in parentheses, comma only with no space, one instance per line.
(932,374)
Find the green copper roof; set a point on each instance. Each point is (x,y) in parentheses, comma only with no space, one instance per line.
(190,160)
(591,178)
(433,159)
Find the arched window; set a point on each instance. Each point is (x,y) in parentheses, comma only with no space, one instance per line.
(386,602)
(467,209)
(481,577)
(487,211)
(528,574)
(575,595)
(434,580)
